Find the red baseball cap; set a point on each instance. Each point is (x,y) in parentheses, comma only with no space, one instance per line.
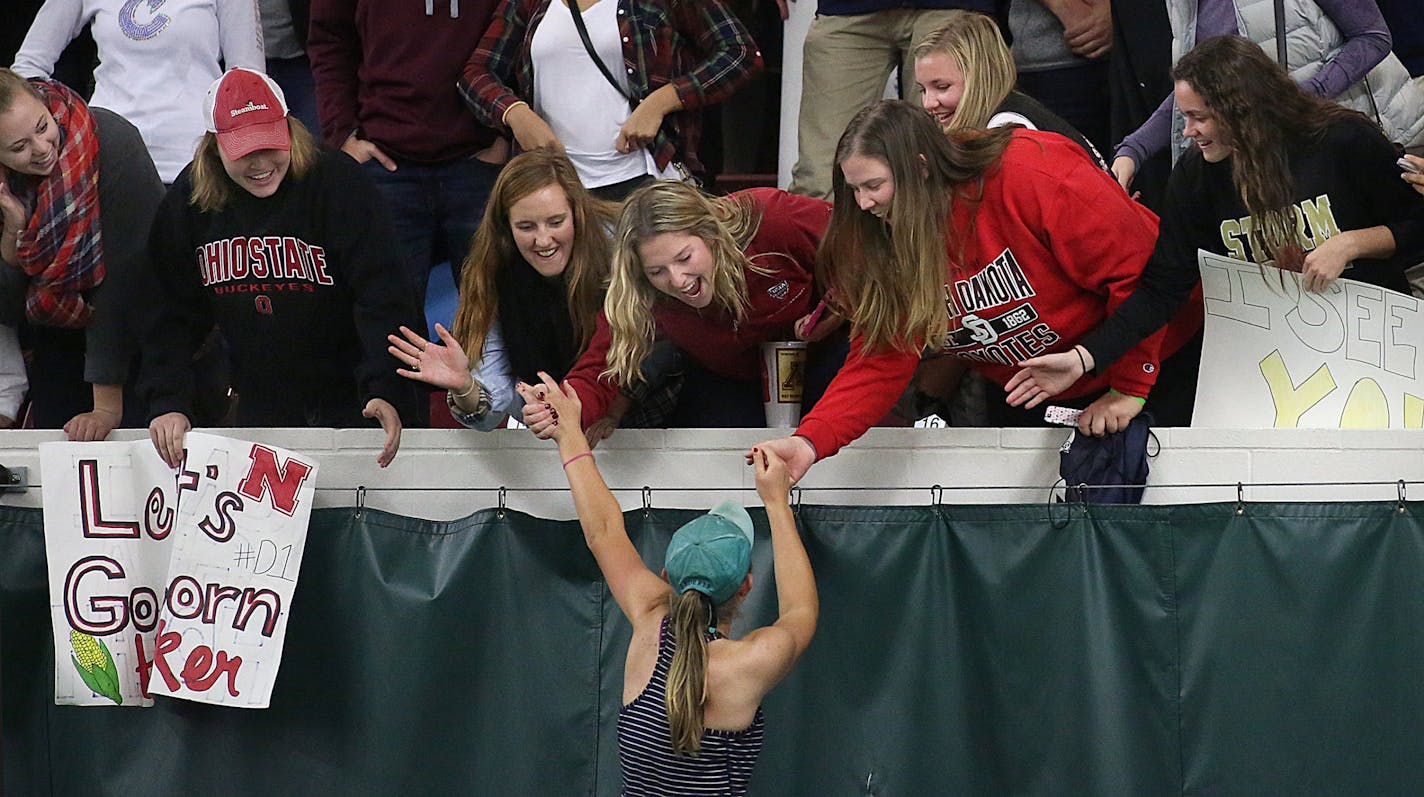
(248,112)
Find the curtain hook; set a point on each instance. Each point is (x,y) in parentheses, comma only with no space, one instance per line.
(796,500)
(1401,497)
(1240,498)
(502,493)
(936,495)
(647,500)
(360,501)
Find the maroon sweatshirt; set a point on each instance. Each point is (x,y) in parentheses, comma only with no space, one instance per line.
(388,70)
(785,247)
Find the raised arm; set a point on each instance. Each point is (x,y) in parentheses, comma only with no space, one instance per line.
(798,605)
(638,591)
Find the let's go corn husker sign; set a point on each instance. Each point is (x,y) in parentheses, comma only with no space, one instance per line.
(172,583)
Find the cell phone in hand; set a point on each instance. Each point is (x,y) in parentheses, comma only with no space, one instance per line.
(815,316)
(1409,166)
(1062,416)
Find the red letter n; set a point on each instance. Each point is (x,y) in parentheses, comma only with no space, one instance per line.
(283,479)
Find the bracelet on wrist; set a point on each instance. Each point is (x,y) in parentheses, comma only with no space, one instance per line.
(1141,401)
(577,457)
(474,383)
(482,405)
(1078,350)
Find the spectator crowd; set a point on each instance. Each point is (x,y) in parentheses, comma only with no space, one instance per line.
(232,220)
(233,217)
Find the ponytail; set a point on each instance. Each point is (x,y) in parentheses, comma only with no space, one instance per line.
(692,614)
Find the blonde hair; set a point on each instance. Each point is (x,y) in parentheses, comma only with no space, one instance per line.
(493,249)
(889,276)
(690,615)
(213,188)
(974,41)
(726,224)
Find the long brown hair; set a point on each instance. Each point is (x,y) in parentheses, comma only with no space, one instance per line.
(889,275)
(213,188)
(690,615)
(1263,114)
(493,249)
(726,224)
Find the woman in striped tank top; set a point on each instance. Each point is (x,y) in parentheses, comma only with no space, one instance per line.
(691,722)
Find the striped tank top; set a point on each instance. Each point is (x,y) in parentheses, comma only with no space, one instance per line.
(650,767)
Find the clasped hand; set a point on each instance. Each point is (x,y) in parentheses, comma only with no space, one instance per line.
(551,410)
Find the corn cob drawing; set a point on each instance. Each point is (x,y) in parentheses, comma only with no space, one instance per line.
(95,665)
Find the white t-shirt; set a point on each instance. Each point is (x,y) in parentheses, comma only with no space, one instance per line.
(1009,118)
(155,65)
(574,97)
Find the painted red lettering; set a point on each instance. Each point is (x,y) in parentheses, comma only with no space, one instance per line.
(91,515)
(282,479)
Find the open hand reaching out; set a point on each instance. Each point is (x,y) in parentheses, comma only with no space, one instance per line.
(442,364)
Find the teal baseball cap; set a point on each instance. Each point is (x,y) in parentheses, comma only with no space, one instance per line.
(712,553)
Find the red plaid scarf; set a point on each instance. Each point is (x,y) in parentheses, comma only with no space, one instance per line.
(60,247)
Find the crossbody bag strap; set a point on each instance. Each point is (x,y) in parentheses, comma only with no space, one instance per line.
(1280,34)
(588,45)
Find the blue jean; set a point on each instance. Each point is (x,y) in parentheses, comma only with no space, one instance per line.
(295,77)
(435,209)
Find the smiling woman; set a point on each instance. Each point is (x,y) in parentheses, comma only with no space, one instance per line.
(29,136)
(530,290)
(1278,176)
(715,277)
(63,167)
(967,75)
(286,248)
(982,246)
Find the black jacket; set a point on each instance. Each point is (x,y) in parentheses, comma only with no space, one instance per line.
(304,285)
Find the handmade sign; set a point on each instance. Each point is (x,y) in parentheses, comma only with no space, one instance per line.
(172,583)
(1274,355)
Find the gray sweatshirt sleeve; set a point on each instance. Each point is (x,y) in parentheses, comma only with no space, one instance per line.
(129,193)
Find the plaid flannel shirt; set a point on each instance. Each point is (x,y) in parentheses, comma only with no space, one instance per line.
(696,45)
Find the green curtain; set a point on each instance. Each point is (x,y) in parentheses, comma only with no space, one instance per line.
(967,650)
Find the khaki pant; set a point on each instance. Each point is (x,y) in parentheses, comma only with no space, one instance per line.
(846,62)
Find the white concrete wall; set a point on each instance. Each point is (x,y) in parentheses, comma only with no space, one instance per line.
(444,474)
